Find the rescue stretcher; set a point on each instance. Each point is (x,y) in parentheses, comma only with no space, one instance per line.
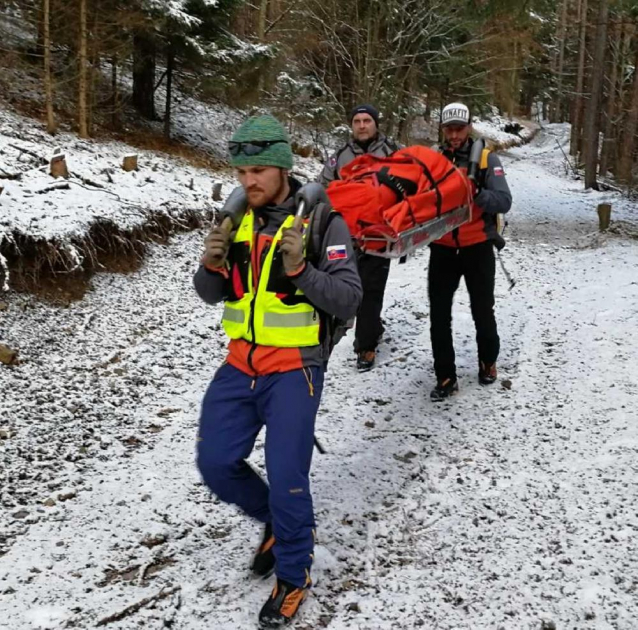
(406,242)
(410,221)
(397,204)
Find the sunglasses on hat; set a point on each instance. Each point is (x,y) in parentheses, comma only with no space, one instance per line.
(251,148)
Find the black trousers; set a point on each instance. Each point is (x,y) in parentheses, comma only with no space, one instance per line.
(477,265)
(374,276)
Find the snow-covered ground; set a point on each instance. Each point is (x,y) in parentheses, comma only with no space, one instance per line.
(510,507)
(98,188)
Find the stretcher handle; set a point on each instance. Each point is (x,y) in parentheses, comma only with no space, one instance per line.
(306,198)
(227,225)
(474,165)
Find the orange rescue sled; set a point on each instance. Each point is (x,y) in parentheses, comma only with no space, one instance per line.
(394,204)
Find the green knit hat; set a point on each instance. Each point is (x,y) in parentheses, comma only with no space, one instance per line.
(263,128)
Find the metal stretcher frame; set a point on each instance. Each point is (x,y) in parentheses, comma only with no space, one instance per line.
(419,236)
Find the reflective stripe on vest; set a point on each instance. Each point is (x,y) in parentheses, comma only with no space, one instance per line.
(262,317)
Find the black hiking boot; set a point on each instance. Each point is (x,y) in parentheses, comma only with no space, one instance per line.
(365,360)
(444,389)
(487,373)
(264,560)
(282,605)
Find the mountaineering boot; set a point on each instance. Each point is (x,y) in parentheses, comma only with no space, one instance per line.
(444,389)
(487,373)
(282,605)
(365,360)
(264,560)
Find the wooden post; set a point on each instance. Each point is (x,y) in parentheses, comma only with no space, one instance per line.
(58,166)
(8,356)
(604,216)
(217,191)
(130,162)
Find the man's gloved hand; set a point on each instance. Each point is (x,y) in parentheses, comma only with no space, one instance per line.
(291,246)
(216,248)
(482,198)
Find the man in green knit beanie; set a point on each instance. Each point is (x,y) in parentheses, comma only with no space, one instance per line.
(276,305)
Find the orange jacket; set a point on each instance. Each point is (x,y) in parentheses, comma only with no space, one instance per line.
(493,199)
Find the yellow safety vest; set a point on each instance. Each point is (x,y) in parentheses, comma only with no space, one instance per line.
(261,317)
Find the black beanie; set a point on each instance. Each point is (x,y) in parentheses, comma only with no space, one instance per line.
(365,109)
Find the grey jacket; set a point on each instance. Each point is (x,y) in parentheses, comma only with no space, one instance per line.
(332,286)
(494,198)
(381,147)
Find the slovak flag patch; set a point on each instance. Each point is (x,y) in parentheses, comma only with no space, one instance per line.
(498,171)
(337,252)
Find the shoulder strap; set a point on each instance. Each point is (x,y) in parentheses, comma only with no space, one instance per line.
(318,224)
(484,158)
(390,144)
(337,155)
(483,166)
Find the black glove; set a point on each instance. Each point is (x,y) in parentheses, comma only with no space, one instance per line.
(482,198)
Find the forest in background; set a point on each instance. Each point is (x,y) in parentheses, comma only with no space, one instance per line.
(99,64)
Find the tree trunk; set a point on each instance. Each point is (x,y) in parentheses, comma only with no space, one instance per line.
(592,115)
(83,83)
(261,36)
(48,81)
(625,158)
(94,66)
(625,55)
(170,63)
(608,125)
(261,20)
(574,143)
(144,52)
(514,81)
(558,103)
(115,95)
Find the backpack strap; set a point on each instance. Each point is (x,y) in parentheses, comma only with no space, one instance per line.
(336,157)
(390,144)
(483,165)
(318,223)
(484,158)
(321,216)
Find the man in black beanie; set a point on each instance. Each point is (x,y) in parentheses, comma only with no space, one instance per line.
(366,138)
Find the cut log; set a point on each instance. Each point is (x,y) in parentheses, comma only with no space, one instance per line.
(217,191)
(58,166)
(604,216)
(130,162)
(8,356)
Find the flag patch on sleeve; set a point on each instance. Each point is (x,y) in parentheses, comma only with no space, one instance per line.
(498,171)
(337,252)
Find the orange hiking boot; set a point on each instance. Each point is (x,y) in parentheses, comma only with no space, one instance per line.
(365,360)
(445,388)
(282,605)
(264,560)
(487,373)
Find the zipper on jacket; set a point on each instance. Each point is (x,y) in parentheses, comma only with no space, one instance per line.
(256,279)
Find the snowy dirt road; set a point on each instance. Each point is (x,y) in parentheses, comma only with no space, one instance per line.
(511,507)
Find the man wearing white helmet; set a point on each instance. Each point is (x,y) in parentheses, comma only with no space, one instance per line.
(467,251)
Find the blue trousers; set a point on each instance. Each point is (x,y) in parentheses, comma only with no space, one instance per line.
(234,410)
